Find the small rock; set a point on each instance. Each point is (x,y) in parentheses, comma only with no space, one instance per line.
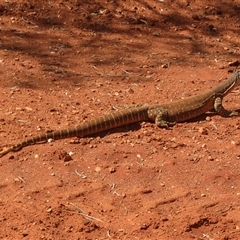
(139,156)
(17,180)
(28,109)
(234,63)
(64,156)
(210,158)
(145,226)
(49,210)
(208,118)
(70,153)
(77,141)
(112,169)
(98,169)
(146,191)
(166,65)
(212,28)
(196,17)
(203,131)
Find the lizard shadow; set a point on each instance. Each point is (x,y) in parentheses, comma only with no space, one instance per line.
(211,113)
(136,126)
(122,129)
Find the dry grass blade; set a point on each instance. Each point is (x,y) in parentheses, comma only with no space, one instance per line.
(84,214)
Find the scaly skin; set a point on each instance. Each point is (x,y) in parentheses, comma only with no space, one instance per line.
(164,115)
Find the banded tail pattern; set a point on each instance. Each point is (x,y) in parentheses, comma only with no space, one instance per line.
(112,120)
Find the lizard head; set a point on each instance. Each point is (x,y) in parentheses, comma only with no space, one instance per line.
(237,77)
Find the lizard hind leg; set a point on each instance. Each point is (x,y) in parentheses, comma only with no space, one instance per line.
(161,119)
(221,110)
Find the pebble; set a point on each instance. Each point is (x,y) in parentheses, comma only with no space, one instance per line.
(234,63)
(210,158)
(203,131)
(28,109)
(166,65)
(98,169)
(49,210)
(112,169)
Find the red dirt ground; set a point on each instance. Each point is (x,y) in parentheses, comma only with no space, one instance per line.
(65,62)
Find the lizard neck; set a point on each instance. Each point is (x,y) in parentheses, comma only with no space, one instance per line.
(225,87)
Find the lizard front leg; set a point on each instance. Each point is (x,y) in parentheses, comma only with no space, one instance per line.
(221,110)
(161,118)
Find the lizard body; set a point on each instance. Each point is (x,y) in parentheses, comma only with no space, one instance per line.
(164,115)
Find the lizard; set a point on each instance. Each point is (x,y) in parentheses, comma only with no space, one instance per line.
(163,114)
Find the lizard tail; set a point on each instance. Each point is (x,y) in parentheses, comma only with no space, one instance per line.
(113,120)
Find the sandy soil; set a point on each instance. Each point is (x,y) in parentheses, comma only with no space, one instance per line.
(63,63)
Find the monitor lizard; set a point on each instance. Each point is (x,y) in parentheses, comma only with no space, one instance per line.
(163,114)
